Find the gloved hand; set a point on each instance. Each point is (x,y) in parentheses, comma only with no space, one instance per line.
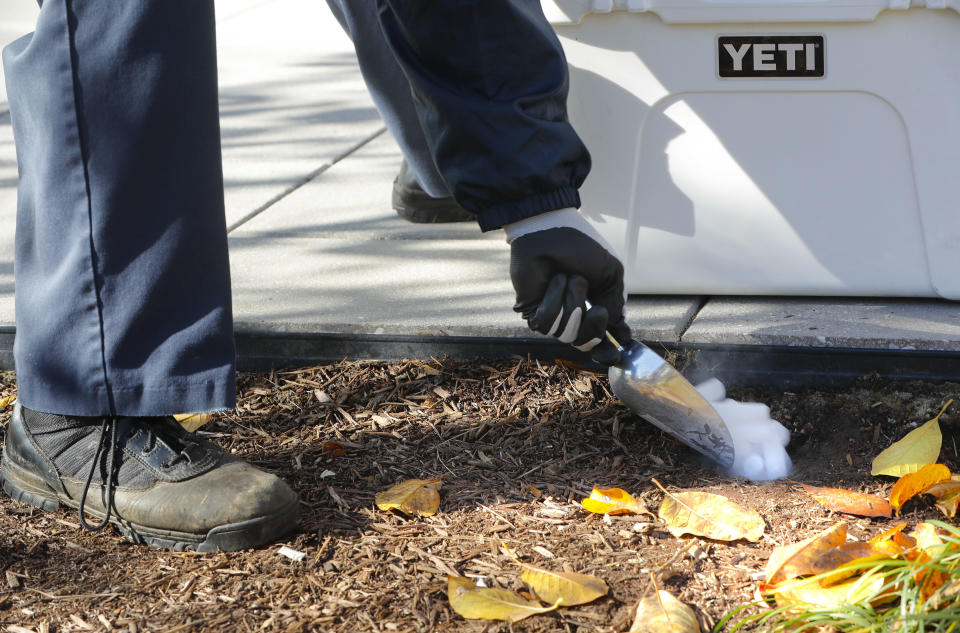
(558,262)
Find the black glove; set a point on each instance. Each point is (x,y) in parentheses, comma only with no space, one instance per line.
(555,272)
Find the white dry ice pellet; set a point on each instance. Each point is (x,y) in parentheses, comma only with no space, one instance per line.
(776,460)
(783,434)
(751,468)
(712,389)
(759,442)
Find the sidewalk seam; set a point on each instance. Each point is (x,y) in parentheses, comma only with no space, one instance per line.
(702,302)
(304,180)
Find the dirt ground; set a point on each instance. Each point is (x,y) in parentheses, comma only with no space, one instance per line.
(519,443)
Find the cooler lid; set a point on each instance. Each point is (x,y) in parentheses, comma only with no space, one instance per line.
(727,11)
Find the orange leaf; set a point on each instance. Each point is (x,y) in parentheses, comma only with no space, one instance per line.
(334,449)
(947,494)
(850,502)
(843,561)
(798,559)
(612,501)
(928,578)
(893,542)
(913,484)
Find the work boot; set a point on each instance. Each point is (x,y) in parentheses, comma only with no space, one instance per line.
(159,484)
(414,204)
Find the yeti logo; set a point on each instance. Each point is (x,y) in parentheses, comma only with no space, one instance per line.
(770,56)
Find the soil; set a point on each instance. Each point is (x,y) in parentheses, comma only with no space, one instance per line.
(519,443)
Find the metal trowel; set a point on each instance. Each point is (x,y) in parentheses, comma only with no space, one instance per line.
(658,393)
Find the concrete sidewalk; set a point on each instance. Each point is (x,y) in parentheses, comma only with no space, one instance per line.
(323,268)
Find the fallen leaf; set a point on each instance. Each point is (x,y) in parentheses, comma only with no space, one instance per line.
(566,588)
(192,421)
(485,603)
(928,537)
(790,561)
(843,561)
(413,496)
(914,450)
(662,613)
(912,484)
(6,401)
(849,502)
(947,495)
(333,449)
(870,587)
(893,542)
(612,501)
(710,515)
(927,577)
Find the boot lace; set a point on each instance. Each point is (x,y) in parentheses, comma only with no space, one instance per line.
(157,430)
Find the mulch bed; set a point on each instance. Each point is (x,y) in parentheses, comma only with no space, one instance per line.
(519,443)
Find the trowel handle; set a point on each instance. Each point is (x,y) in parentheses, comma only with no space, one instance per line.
(610,336)
(615,342)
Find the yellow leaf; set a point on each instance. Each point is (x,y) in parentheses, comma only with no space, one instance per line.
(798,559)
(914,450)
(928,537)
(710,515)
(612,501)
(482,603)
(412,496)
(912,484)
(947,495)
(663,613)
(566,588)
(808,592)
(192,421)
(6,401)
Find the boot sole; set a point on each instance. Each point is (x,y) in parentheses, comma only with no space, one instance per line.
(27,488)
(420,208)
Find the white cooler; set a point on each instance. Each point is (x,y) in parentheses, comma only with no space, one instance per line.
(771,147)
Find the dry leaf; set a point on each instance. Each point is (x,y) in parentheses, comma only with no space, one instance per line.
(844,561)
(6,401)
(482,603)
(413,496)
(662,613)
(912,484)
(192,421)
(947,495)
(710,515)
(798,559)
(333,449)
(612,501)
(849,502)
(893,542)
(927,577)
(914,450)
(566,588)
(928,537)
(809,592)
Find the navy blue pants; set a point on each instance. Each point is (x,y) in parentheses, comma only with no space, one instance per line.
(122,275)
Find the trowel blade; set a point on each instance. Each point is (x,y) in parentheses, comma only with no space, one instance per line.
(658,393)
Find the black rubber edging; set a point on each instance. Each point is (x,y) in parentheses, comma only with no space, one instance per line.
(739,365)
